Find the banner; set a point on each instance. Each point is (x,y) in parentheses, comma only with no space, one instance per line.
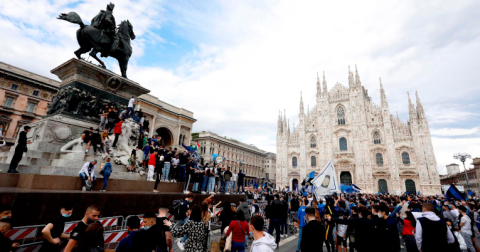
(454,193)
(308,179)
(326,183)
(217,158)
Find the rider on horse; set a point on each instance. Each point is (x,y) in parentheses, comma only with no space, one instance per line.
(105,21)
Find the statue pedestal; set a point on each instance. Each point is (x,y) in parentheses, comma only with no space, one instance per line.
(84,92)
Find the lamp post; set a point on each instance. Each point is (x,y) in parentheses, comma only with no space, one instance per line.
(462,157)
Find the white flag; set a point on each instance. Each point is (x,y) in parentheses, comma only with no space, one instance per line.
(326,182)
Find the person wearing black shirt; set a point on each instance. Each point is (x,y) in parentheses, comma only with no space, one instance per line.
(91,215)
(53,231)
(227,176)
(183,159)
(275,215)
(87,137)
(313,233)
(112,119)
(133,156)
(96,140)
(167,164)
(189,174)
(151,236)
(146,124)
(162,215)
(241,176)
(19,150)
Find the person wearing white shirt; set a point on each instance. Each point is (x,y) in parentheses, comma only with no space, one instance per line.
(234,180)
(433,226)
(466,227)
(130,111)
(87,173)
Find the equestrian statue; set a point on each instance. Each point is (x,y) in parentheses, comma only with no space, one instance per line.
(102,35)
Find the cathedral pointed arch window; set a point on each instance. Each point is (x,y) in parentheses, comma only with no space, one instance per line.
(405,158)
(379,159)
(313,142)
(341,116)
(343,144)
(294,161)
(376,138)
(313,161)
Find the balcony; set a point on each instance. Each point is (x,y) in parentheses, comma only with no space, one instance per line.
(29,114)
(7,109)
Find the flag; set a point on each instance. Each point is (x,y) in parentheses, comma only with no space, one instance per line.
(197,144)
(326,182)
(454,193)
(470,194)
(217,158)
(308,179)
(356,187)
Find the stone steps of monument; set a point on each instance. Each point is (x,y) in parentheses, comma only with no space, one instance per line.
(68,171)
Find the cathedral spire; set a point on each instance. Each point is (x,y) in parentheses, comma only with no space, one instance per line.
(411,108)
(301,104)
(382,92)
(325,91)
(358,83)
(351,81)
(420,111)
(319,90)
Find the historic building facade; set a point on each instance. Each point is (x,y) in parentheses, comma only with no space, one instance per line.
(238,155)
(24,98)
(270,166)
(458,178)
(369,147)
(173,124)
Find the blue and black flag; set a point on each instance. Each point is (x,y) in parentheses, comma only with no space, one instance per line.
(454,193)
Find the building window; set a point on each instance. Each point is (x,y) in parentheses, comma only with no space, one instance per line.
(313,142)
(341,116)
(35,92)
(14,86)
(30,107)
(376,138)
(313,161)
(379,158)
(405,158)
(294,161)
(343,143)
(8,102)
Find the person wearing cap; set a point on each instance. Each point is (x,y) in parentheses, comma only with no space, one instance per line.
(19,150)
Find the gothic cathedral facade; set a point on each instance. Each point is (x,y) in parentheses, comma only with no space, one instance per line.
(368,146)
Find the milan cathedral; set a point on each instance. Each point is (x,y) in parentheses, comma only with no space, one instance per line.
(370,147)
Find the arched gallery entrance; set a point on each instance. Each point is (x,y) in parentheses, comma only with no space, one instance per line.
(382,186)
(345,178)
(294,185)
(166,135)
(410,186)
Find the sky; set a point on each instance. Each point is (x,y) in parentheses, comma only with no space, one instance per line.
(235,64)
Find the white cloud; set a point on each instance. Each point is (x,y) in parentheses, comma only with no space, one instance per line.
(253,58)
(453,131)
(445,148)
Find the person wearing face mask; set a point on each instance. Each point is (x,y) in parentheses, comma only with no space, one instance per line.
(91,215)
(53,231)
(150,236)
(5,211)
(133,225)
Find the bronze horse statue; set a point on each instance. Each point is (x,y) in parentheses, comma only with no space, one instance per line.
(89,38)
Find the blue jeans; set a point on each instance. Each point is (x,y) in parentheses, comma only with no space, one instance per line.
(284,227)
(205,184)
(275,223)
(83,178)
(105,180)
(181,177)
(300,229)
(211,184)
(227,185)
(195,187)
(166,170)
(233,185)
(238,246)
(130,112)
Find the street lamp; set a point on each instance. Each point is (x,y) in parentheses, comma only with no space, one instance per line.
(462,157)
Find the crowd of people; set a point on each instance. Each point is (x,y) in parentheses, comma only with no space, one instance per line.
(341,222)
